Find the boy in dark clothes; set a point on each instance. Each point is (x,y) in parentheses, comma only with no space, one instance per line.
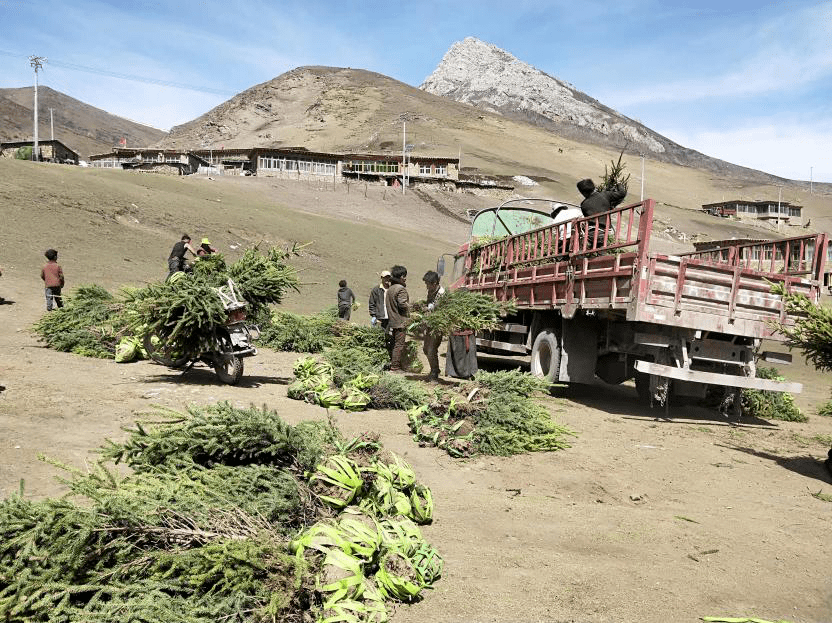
(345,300)
(53,278)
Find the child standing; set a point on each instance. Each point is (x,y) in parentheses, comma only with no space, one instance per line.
(346,299)
(53,279)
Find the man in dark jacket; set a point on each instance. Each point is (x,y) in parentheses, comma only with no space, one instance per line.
(598,201)
(176,259)
(376,305)
(398,315)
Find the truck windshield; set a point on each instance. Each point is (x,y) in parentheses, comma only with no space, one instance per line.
(507,222)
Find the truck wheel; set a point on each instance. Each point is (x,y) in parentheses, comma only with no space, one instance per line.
(546,356)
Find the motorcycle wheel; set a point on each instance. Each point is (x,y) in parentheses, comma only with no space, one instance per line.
(229,368)
(157,351)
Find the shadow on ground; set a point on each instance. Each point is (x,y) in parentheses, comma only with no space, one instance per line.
(804,465)
(201,376)
(622,400)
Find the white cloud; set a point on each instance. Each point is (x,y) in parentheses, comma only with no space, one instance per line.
(783,149)
(785,52)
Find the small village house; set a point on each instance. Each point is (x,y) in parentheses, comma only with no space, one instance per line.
(775,212)
(50,151)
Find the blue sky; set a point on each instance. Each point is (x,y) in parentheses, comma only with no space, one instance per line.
(749,82)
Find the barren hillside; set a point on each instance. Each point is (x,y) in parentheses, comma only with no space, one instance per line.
(81,127)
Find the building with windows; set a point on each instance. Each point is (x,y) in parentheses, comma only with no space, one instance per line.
(164,161)
(772,211)
(295,163)
(50,151)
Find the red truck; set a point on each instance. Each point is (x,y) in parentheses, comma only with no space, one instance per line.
(593,299)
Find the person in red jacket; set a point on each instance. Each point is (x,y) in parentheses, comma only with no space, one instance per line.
(53,279)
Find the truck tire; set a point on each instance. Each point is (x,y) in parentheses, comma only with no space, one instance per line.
(545,362)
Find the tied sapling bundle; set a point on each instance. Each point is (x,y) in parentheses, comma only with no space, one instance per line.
(462,310)
(221,518)
(91,323)
(614,177)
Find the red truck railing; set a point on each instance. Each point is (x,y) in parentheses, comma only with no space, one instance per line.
(628,226)
(802,255)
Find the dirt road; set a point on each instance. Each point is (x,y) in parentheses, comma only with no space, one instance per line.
(642,520)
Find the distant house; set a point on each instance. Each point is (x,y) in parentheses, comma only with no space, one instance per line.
(50,151)
(164,161)
(771,211)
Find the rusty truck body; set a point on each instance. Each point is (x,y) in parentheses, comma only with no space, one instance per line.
(594,300)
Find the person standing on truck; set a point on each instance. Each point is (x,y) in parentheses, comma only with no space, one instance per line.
(398,315)
(598,201)
(432,340)
(377,305)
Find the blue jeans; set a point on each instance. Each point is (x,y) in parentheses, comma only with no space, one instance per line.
(53,294)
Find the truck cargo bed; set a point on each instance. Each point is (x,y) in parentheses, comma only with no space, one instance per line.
(605,263)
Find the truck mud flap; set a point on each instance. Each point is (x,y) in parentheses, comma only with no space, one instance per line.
(714,378)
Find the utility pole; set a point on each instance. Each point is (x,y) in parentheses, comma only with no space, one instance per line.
(404,155)
(52,124)
(37,63)
(642,177)
(810,181)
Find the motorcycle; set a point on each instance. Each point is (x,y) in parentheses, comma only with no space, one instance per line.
(230,344)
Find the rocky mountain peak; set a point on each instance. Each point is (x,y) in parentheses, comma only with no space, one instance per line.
(483,75)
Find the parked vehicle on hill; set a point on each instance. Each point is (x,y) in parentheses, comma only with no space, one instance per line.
(229,344)
(594,300)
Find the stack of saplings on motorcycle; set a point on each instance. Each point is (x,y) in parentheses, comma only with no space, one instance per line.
(199,315)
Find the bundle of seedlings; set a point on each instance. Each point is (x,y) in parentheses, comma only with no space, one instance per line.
(614,175)
(373,551)
(351,378)
(91,323)
(771,405)
(494,414)
(286,331)
(198,530)
(812,330)
(462,310)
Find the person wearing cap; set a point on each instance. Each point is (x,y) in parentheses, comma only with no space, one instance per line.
(176,259)
(205,248)
(378,301)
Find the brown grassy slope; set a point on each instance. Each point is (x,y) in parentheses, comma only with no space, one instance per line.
(81,127)
(116,227)
(331,109)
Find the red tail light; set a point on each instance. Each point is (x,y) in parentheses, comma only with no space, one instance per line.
(238,315)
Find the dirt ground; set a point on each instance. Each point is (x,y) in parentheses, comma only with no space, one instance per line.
(643,520)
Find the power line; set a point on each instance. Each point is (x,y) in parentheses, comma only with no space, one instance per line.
(131,77)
